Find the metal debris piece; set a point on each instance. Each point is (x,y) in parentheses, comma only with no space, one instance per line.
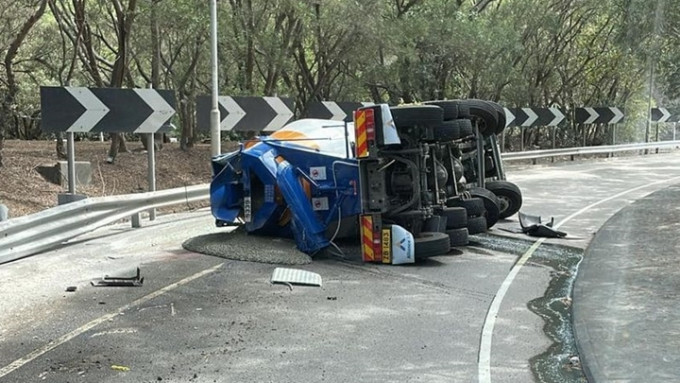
(71,289)
(295,277)
(120,281)
(531,225)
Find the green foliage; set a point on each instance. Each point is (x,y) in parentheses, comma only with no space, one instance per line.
(519,52)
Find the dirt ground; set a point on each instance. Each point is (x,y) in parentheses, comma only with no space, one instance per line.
(25,191)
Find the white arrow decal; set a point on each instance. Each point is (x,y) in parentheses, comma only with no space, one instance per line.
(509,117)
(558,117)
(283,114)
(234,113)
(162,111)
(618,115)
(95,110)
(336,111)
(531,117)
(665,115)
(593,116)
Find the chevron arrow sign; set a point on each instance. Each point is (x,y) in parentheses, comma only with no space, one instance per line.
(246,114)
(112,110)
(528,117)
(606,115)
(331,110)
(661,115)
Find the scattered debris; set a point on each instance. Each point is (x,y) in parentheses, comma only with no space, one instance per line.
(332,298)
(71,289)
(531,225)
(120,281)
(574,362)
(295,277)
(566,301)
(119,368)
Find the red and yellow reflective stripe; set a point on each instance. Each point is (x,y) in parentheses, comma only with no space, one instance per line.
(367,252)
(360,133)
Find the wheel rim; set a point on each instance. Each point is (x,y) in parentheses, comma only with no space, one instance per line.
(503,203)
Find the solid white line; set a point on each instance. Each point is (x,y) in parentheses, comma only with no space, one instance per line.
(484,360)
(88,326)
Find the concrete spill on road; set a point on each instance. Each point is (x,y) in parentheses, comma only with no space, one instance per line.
(556,364)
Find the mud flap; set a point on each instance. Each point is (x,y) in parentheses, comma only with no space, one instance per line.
(402,245)
(531,225)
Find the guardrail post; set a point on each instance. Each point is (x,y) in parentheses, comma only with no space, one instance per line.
(136,221)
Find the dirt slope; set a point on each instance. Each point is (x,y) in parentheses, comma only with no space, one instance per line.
(25,191)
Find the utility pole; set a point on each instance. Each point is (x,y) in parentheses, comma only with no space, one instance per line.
(215,139)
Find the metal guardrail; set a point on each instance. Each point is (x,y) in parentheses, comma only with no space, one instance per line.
(604,149)
(31,234)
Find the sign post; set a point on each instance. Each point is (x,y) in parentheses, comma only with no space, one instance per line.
(106,110)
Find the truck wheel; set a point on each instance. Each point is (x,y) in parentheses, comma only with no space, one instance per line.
(421,115)
(458,237)
(456,217)
(485,113)
(447,131)
(491,204)
(502,120)
(465,128)
(474,206)
(509,197)
(476,225)
(429,244)
(450,108)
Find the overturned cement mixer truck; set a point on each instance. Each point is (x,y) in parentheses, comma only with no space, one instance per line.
(396,178)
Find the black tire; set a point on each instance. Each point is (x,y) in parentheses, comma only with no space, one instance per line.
(447,131)
(502,120)
(485,114)
(476,225)
(450,108)
(463,110)
(465,127)
(458,237)
(509,197)
(456,217)
(429,244)
(491,204)
(473,206)
(417,115)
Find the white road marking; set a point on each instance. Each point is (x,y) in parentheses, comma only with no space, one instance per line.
(94,323)
(172,309)
(484,359)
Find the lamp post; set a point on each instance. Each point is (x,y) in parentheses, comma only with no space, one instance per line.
(215,139)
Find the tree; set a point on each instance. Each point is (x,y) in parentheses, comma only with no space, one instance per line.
(10,85)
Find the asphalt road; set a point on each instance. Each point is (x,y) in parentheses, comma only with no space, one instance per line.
(472,316)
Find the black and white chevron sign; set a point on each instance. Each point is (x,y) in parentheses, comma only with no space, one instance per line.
(246,114)
(331,110)
(606,115)
(113,110)
(528,117)
(665,115)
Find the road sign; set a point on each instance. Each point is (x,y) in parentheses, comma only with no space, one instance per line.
(663,115)
(509,117)
(605,115)
(528,117)
(330,110)
(112,110)
(254,114)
